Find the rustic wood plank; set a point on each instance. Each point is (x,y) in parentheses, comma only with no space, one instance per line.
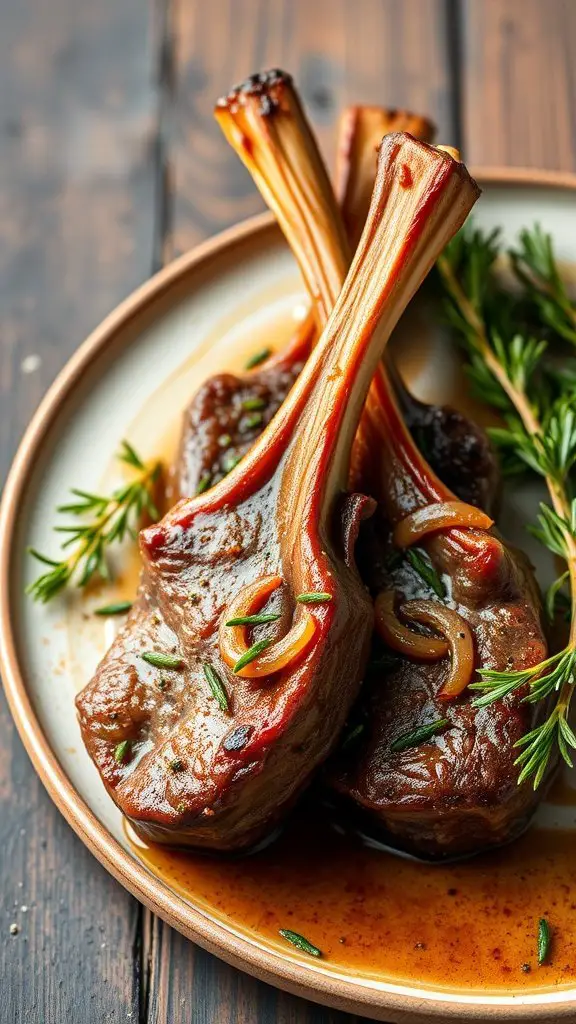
(518,82)
(340,51)
(187,983)
(78,111)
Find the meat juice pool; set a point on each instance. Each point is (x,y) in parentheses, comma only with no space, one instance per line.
(471,925)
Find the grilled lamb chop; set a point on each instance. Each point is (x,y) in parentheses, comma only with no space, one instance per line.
(264,121)
(205,732)
(457,792)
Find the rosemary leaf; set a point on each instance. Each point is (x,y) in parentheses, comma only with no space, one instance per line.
(251,654)
(123,751)
(161,660)
(314,597)
(544,941)
(252,620)
(418,736)
(257,358)
(119,608)
(300,942)
(204,483)
(253,404)
(216,686)
(421,563)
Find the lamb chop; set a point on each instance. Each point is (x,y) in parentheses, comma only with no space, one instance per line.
(265,123)
(450,595)
(235,672)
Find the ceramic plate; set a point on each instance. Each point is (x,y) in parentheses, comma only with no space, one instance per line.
(130,379)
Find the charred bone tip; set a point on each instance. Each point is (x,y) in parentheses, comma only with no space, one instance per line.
(267,86)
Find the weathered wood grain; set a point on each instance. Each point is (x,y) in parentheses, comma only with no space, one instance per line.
(519,83)
(187,984)
(78,108)
(339,51)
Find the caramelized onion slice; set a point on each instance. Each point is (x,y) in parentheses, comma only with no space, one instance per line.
(459,638)
(400,638)
(232,639)
(441,515)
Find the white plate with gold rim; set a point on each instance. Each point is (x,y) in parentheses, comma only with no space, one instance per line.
(132,378)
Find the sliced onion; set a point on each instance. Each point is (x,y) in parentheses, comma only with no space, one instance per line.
(400,638)
(233,642)
(441,515)
(459,638)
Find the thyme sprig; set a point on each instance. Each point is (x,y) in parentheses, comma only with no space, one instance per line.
(99,522)
(508,366)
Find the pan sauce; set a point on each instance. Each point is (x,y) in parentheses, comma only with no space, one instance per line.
(471,925)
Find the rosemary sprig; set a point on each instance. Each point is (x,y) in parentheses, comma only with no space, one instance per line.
(509,368)
(535,265)
(100,522)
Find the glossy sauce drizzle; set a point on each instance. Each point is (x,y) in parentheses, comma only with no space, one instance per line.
(471,925)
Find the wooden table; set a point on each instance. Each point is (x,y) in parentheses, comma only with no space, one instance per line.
(111,165)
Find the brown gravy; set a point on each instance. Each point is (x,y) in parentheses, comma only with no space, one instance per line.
(472,925)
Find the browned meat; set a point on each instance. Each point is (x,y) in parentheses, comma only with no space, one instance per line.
(195,746)
(228,413)
(458,792)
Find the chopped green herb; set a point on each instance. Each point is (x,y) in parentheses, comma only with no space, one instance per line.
(351,737)
(251,404)
(384,663)
(195,598)
(253,620)
(251,654)
(181,807)
(123,751)
(176,764)
(230,460)
(161,660)
(315,597)
(257,358)
(216,686)
(544,940)
(300,942)
(253,421)
(162,683)
(426,570)
(418,736)
(224,440)
(114,609)
(204,483)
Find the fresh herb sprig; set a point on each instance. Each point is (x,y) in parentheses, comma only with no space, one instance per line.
(99,522)
(536,267)
(510,370)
